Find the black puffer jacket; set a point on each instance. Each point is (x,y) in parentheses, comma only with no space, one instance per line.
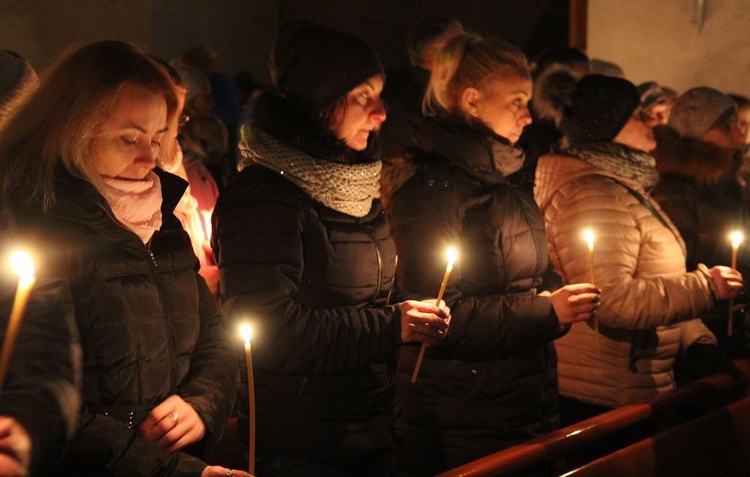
(314,283)
(493,382)
(149,328)
(42,388)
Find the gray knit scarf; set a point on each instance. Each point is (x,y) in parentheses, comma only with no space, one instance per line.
(619,160)
(346,188)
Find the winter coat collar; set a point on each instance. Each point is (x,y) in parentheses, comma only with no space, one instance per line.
(473,147)
(704,163)
(69,187)
(295,127)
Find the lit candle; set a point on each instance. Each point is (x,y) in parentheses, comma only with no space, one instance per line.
(736,238)
(246,332)
(588,236)
(23,266)
(451,255)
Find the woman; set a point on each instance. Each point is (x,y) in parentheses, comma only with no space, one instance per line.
(492,383)
(698,156)
(598,180)
(303,249)
(78,165)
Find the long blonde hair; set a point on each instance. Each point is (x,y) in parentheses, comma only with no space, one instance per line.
(58,123)
(468,60)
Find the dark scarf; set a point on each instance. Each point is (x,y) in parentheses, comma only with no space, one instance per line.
(615,158)
(472,146)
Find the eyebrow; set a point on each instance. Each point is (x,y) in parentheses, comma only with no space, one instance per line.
(135,126)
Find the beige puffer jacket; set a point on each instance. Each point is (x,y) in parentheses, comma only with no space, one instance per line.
(639,264)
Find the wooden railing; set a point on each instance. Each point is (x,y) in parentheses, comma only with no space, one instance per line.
(639,421)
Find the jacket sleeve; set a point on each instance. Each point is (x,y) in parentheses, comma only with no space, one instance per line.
(259,247)
(424,223)
(683,214)
(102,442)
(210,387)
(641,288)
(42,387)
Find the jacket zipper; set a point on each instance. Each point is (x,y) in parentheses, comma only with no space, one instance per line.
(162,296)
(380,265)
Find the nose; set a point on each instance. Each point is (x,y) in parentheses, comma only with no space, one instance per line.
(378,111)
(525,118)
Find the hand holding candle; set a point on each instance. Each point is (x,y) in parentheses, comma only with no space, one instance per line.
(451,256)
(736,238)
(23,266)
(246,333)
(588,235)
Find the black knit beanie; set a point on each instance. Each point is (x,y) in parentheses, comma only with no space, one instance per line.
(316,65)
(600,107)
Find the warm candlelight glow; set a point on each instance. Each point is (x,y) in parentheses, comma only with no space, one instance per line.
(246,332)
(452,255)
(588,236)
(206,215)
(22,264)
(736,237)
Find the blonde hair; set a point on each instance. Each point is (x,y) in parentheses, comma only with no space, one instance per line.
(468,61)
(57,124)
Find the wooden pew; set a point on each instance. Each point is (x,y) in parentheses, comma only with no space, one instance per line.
(717,445)
(641,419)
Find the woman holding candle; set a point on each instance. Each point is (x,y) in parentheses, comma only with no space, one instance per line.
(492,382)
(77,163)
(305,254)
(698,156)
(598,179)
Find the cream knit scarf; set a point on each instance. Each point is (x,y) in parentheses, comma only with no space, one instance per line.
(346,188)
(137,204)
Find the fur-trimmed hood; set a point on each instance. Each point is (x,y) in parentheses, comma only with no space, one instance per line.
(705,163)
(293,125)
(552,92)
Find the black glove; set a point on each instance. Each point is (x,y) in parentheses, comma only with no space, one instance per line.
(701,360)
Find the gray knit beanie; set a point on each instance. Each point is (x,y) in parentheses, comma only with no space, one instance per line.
(194,79)
(17,80)
(697,111)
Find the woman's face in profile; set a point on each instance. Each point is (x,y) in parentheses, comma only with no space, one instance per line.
(364,113)
(636,134)
(503,105)
(128,141)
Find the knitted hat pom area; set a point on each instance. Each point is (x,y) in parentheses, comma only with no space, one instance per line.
(600,107)
(316,65)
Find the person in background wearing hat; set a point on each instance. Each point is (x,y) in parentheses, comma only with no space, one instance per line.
(698,157)
(597,179)
(203,136)
(305,254)
(41,393)
(654,107)
(492,383)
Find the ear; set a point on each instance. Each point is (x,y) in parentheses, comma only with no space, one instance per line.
(470,101)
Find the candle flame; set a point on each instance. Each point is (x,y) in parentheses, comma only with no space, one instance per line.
(736,237)
(588,235)
(206,216)
(452,255)
(246,332)
(22,264)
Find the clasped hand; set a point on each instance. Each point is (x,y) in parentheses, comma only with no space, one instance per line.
(424,322)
